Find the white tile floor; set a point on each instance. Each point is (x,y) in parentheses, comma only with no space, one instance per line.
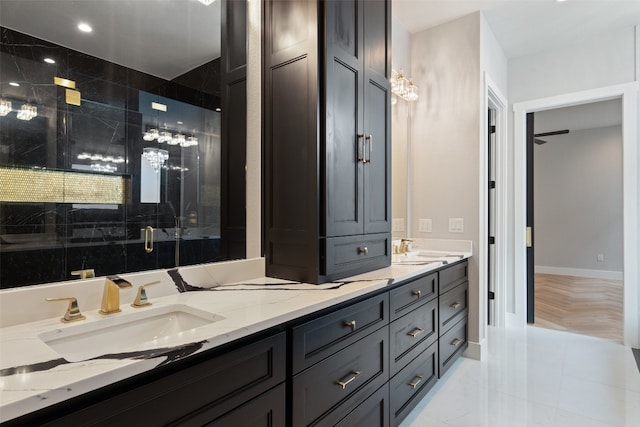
(536,377)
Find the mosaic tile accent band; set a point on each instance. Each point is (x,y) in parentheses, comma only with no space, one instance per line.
(46,186)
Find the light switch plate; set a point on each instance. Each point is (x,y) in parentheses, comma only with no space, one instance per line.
(425,225)
(456,225)
(398,224)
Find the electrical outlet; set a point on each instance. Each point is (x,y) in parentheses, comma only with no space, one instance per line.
(398,224)
(425,225)
(456,225)
(600,258)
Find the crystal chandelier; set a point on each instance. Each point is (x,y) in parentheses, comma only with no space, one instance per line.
(165,136)
(403,87)
(155,156)
(27,112)
(5,107)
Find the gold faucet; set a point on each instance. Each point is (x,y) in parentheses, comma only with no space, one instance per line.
(405,246)
(84,274)
(111,294)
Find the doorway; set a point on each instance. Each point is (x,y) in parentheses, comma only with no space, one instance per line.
(574,205)
(628,94)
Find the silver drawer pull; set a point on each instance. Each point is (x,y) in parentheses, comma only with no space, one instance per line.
(352,376)
(456,342)
(455,305)
(351,324)
(415,382)
(417,331)
(363,250)
(416,293)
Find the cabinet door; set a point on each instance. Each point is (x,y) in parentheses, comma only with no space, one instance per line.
(268,410)
(344,99)
(377,117)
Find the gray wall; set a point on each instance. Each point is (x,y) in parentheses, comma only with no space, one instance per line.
(578,200)
(445,139)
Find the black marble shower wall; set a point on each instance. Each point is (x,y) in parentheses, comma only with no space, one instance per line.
(44,242)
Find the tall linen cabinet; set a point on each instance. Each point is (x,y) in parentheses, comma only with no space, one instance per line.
(327,134)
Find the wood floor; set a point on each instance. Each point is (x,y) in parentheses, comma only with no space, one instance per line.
(584,306)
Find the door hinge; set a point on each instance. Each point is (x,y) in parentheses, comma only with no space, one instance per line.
(528,238)
(492,240)
(492,184)
(492,129)
(492,295)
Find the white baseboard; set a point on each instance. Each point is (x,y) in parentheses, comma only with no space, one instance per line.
(580,272)
(476,351)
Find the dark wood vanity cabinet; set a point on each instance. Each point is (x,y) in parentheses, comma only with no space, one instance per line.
(453,313)
(326,138)
(368,361)
(213,390)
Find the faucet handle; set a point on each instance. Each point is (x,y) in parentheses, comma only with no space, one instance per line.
(73,311)
(84,274)
(141,297)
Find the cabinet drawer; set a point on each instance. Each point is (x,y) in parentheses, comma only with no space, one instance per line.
(412,334)
(373,412)
(408,387)
(454,306)
(321,337)
(267,410)
(195,395)
(453,276)
(452,344)
(354,254)
(345,378)
(408,296)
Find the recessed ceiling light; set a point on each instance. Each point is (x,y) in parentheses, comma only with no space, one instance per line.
(206,2)
(84,27)
(14,84)
(218,109)
(49,61)
(179,122)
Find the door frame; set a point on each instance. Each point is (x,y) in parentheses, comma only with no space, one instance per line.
(494,99)
(628,93)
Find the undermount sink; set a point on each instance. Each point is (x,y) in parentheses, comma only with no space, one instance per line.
(148,328)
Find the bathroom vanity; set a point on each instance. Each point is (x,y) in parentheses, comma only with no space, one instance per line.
(364,350)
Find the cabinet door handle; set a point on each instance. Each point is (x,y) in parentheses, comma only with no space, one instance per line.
(417,331)
(456,342)
(455,305)
(370,139)
(148,239)
(361,158)
(363,251)
(416,293)
(346,380)
(351,324)
(416,381)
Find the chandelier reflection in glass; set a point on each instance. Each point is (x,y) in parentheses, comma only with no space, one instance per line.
(5,107)
(27,112)
(156,157)
(402,87)
(171,139)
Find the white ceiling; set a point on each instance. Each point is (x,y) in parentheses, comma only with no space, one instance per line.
(524,27)
(579,117)
(164,38)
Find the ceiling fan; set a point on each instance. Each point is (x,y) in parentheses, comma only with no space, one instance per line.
(555,132)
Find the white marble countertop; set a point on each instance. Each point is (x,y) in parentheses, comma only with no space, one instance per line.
(34,376)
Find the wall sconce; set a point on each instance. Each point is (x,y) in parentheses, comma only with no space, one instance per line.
(403,87)
(5,107)
(155,156)
(27,112)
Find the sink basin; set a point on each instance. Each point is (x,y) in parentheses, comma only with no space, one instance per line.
(148,328)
